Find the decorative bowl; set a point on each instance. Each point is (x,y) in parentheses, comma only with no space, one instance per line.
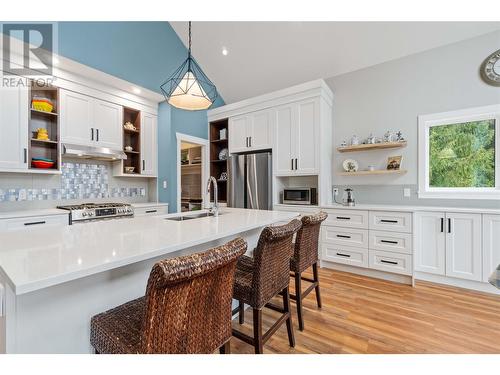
(129,169)
(42,104)
(129,148)
(42,163)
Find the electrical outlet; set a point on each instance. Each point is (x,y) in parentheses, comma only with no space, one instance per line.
(164,184)
(335,191)
(406,192)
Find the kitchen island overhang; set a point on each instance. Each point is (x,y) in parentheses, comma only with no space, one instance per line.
(52,289)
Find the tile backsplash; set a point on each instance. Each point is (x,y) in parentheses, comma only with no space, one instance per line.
(78,181)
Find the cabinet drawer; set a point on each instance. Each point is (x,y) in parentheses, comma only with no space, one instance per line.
(391,241)
(347,218)
(390,262)
(345,236)
(391,221)
(155,210)
(345,255)
(34,222)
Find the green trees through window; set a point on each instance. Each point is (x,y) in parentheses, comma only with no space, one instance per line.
(462,155)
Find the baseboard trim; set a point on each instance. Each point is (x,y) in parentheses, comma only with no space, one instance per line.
(402,279)
(459,283)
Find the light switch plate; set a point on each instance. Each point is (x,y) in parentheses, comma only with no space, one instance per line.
(406,192)
(164,184)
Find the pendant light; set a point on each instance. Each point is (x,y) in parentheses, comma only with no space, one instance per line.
(189,88)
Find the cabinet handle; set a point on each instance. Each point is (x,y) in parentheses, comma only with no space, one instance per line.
(35,223)
(97,135)
(91,134)
(343,255)
(442,224)
(391,242)
(151,211)
(295,164)
(250,141)
(387,261)
(292,163)
(343,218)
(144,165)
(343,236)
(25,155)
(449,225)
(389,221)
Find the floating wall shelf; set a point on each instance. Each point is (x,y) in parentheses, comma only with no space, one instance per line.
(376,172)
(374,146)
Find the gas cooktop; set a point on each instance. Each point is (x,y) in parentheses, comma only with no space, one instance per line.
(95,211)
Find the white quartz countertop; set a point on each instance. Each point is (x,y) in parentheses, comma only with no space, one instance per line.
(400,208)
(41,257)
(32,213)
(148,204)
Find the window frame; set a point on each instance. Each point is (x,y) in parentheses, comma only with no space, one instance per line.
(425,122)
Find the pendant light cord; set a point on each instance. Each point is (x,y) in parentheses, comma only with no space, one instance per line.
(189,38)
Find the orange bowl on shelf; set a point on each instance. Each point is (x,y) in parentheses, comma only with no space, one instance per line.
(42,164)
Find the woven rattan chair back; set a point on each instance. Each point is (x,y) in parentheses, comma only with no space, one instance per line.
(188,301)
(306,242)
(272,261)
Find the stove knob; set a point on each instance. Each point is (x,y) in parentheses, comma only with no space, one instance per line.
(84,214)
(91,213)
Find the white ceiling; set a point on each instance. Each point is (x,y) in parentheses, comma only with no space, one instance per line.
(268,56)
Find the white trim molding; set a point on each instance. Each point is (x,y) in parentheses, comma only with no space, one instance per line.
(205,172)
(425,122)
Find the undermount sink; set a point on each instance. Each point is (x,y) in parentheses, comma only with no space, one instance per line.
(190,217)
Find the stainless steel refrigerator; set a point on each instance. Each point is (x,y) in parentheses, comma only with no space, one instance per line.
(250,181)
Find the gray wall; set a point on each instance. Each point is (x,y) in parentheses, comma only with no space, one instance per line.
(391,95)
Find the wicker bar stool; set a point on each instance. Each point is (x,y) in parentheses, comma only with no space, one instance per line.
(304,256)
(262,277)
(186,309)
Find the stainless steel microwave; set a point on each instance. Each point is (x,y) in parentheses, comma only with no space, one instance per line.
(304,196)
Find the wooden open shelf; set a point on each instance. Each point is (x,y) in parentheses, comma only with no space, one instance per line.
(132,138)
(376,172)
(44,148)
(375,146)
(217,167)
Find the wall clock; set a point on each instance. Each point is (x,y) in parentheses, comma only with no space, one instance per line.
(490,69)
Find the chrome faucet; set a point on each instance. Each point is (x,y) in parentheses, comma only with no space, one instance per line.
(213,210)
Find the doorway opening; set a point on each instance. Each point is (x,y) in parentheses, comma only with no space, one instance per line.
(192,172)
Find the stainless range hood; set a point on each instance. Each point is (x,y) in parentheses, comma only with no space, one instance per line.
(96,153)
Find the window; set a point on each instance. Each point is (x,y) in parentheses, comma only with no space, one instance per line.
(459,154)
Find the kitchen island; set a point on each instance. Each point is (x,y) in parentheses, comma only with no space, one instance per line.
(54,279)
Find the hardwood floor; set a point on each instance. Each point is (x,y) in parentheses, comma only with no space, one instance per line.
(366,315)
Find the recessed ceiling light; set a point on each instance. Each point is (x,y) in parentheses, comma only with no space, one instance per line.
(136,90)
(224,51)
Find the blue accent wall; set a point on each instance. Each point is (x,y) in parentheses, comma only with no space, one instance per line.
(144,53)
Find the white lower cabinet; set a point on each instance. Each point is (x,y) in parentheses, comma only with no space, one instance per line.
(390,262)
(151,210)
(32,222)
(430,242)
(463,246)
(491,244)
(351,256)
(449,244)
(371,239)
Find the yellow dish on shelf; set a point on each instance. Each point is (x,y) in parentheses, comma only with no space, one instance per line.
(42,104)
(42,134)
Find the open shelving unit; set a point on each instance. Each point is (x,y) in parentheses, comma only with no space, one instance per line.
(132,138)
(217,166)
(44,148)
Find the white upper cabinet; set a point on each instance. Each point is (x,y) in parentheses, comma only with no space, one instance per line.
(251,132)
(307,133)
(239,127)
(297,138)
(107,123)
(463,246)
(430,242)
(14,106)
(76,118)
(148,144)
(89,121)
(283,146)
(491,244)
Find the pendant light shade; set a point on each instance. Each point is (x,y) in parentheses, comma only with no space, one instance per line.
(189,88)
